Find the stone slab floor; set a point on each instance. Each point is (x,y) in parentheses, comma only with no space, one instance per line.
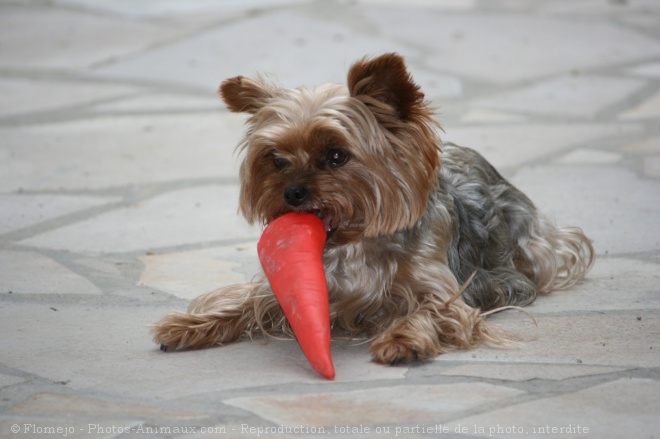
(118,202)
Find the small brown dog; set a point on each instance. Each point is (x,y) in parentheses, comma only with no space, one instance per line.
(404,232)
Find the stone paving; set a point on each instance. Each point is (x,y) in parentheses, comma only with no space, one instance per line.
(118,202)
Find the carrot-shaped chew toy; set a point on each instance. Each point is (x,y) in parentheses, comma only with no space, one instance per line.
(291,252)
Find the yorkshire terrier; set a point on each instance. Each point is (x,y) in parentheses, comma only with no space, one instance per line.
(423,237)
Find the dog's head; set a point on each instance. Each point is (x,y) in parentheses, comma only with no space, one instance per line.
(363,157)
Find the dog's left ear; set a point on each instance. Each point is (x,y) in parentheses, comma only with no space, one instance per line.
(386,80)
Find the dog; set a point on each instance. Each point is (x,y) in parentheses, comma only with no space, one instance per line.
(423,237)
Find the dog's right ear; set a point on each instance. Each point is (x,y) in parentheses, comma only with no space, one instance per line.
(245,95)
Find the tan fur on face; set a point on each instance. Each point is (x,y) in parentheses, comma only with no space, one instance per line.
(388,168)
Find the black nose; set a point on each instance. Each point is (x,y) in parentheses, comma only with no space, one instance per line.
(296,194)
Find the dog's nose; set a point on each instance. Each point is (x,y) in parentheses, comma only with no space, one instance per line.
(295,194)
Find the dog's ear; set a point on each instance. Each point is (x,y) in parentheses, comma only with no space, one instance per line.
(386,80)
(245,95)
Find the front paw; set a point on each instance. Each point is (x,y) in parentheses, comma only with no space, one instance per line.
(169,333)
(390,350)
(180,331)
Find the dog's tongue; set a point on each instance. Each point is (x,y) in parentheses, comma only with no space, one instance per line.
(291,254)
(327,223)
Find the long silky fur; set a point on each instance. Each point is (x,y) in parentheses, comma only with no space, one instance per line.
(421,250)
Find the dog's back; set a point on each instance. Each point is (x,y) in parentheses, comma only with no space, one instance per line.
(514,251)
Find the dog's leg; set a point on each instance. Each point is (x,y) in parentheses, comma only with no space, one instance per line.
(440,322)
(221,317)
(502,286)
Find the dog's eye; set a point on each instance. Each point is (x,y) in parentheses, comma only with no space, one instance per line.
(279,162)
(336,157)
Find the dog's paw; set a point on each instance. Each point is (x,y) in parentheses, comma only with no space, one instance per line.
(394,349)
(179,331)
(166,339)
(174,332)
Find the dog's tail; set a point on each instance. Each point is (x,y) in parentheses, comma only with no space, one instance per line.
(555,258)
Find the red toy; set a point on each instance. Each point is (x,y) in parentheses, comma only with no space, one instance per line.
(291,254)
